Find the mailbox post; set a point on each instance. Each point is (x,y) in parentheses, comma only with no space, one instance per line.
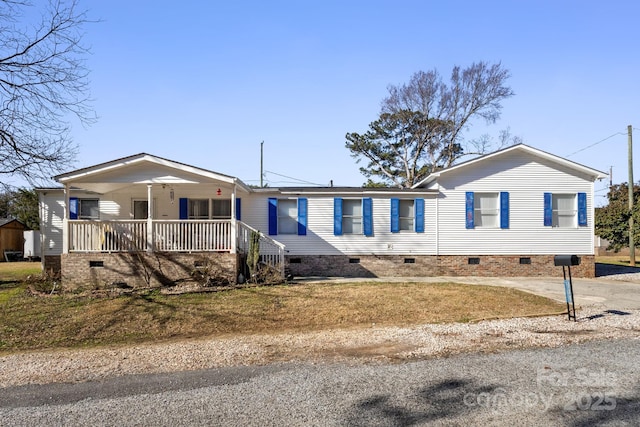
(567,261)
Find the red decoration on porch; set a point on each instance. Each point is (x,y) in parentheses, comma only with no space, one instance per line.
(219,192)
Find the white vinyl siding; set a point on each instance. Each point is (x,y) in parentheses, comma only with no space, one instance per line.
(526,179)
(320,238)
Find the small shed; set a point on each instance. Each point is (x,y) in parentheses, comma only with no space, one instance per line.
(11,239)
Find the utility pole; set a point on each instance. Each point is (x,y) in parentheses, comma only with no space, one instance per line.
(610,176)
(261,163)
(632,249)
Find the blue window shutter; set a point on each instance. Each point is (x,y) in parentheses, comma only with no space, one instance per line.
(273,216)
(395,215)
(337,216)
(418,205)
(73,208)
(367,216)
(238,209)
(302,216)
(504,209)
(469,206)
(582,209)
(548,210)
(184,208)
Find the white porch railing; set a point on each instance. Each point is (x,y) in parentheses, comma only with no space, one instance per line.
(171,236)
(192,235)
(271,251)
(107,236)
(131,236)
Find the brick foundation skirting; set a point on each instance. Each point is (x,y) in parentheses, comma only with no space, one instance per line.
(432,265)
(104,270)
(141,269)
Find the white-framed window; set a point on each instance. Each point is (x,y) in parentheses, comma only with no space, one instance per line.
(287,216)
(486,210)
(564,210)
(140,208)
(198,209)
(221,209)
(352,216)
(88,209)
(407,214)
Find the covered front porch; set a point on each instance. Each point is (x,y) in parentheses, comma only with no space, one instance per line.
(155,207)
(190,236)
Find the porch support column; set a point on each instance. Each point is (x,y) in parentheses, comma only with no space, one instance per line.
(233,220)
(65,221)
(149,219)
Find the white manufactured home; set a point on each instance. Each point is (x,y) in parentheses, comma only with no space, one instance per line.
(146,220)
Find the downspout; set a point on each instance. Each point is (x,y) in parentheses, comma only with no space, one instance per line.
(42,227)
(438,221)
(65,221)
(149,218)
(233,218)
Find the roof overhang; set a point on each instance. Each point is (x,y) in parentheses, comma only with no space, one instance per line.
(347,191)
(142,169)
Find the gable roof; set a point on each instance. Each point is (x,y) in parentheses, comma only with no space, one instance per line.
(594,173)
(107,176)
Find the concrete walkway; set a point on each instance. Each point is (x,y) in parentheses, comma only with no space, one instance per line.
(606,292)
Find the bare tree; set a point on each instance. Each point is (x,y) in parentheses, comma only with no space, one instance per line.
(43,86)
(428,121)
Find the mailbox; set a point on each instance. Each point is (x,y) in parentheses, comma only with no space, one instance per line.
(568,260)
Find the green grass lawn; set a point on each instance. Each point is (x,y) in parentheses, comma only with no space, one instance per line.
(30,320)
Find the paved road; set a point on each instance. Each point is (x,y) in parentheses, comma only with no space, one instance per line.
(590,384)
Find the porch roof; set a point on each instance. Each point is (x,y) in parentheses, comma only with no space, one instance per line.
(142,168)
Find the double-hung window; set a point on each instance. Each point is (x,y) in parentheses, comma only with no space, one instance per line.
(287,216)
(221,209)
(198,209)
(407,215)
(88,209)
(84,208)
(565,210)
(206,208)
(353,216)
(487,210)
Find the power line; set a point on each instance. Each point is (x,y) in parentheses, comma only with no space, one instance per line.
(595,143)
(295,179)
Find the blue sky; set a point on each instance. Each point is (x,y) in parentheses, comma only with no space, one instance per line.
(204,82)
